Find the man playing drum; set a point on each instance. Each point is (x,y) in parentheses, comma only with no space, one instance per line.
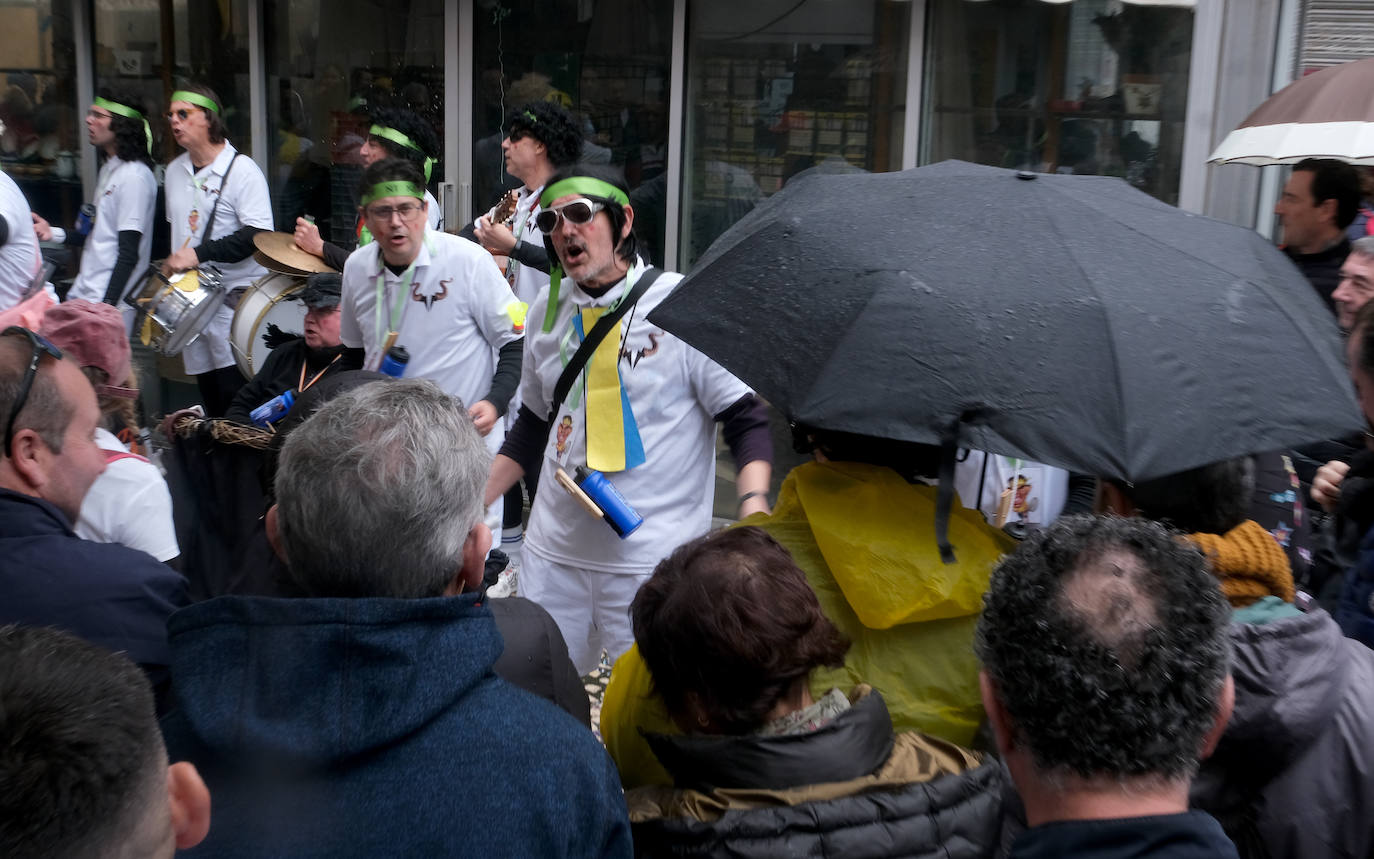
(299,363)
(208,183)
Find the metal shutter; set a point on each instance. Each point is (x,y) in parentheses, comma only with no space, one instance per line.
(1335,31)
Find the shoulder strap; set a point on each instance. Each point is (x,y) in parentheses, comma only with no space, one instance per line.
(219,195)
(594,337)
(116,455)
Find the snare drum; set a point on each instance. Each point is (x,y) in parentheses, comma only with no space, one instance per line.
(269,299)
(173,311)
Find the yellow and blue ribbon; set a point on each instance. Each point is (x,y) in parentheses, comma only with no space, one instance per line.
(613,442)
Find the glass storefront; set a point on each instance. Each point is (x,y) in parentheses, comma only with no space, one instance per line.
(1093,86)
(42,129)
(329,63)
(151,46)
(779,87)
(607,62)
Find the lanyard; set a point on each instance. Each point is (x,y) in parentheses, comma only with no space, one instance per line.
(302,386)
(398,306)
(513,264)
(564,354)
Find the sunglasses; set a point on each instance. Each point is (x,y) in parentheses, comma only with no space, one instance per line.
(39,345)
(579,211)
(180,113)
(407,211)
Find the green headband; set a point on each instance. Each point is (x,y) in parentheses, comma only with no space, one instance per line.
(397,137)
(196,99)
(582,185)
(126,111)
(393,189)
(531,117)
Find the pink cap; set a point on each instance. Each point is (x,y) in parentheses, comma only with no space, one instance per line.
(92,333)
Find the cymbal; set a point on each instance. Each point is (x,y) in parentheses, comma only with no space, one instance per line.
(280,249)
(275,267)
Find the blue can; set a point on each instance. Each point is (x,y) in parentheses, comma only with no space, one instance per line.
(394,364)
(85,219)
(615,509)
(273,410)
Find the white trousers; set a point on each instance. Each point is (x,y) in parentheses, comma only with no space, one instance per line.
(592,609)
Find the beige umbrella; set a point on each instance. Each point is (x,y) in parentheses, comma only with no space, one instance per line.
(1327,114)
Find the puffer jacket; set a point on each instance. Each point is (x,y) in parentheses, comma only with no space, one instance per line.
(1292,775)
(849,789)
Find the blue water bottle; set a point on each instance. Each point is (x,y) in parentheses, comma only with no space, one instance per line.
(273,410)
(615,509)
(394,364)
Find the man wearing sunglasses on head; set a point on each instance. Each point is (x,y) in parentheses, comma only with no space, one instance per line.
(395,133)
(435,295)
(110,595)
(212,182)
(643,412)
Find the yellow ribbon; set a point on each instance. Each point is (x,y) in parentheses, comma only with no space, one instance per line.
(605,416)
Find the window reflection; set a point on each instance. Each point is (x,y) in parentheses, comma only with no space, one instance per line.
(779,87)
(607,62)
(1093,86)
(39,144)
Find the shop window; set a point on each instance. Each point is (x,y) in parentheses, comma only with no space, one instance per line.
(607,62)
(1093,86)
(779,87)
(330,64)
(38,106)
(149,48)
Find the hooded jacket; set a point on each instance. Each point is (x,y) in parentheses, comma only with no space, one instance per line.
(856,531)
(375,727)
(847,789)
(1292,775)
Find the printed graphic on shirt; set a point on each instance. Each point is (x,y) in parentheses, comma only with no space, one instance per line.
(428,297)
(565,428)
(637,348)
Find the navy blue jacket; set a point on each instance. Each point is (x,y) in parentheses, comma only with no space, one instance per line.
(108,594)
(1356,609)
(1192,835)
(375,727)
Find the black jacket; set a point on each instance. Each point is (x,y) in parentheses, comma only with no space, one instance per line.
(281,372)
(1292,775)
(1323,269)
(1178,836)
(848,789)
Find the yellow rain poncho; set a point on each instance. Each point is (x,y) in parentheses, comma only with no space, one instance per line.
(866,540)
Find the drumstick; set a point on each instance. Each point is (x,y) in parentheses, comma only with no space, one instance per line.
(390,341)
(578,495)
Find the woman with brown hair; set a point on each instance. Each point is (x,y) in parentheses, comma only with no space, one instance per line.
(731,633)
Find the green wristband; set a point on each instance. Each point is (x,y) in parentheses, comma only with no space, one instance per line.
(196,99)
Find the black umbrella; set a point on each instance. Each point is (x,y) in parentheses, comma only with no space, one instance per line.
(1068,319)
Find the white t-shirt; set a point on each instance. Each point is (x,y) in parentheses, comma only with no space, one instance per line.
(244,203)
(528,279)
(129,504)
(19,258)
(125,193)
(455,314)
(675,393)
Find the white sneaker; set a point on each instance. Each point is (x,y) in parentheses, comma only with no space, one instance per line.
(506,585)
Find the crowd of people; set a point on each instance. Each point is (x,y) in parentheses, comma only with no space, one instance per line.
(353,666)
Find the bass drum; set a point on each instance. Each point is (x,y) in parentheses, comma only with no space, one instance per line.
(269,299)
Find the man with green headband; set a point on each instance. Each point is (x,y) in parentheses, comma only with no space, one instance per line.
(211,181)
(435,295)
(118,235)
(394,133)
(643,412)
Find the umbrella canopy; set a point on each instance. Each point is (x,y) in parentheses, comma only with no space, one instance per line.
(1067,319)
(1327,114)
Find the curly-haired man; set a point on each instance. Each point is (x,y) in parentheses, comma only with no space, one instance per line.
(1106,677)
